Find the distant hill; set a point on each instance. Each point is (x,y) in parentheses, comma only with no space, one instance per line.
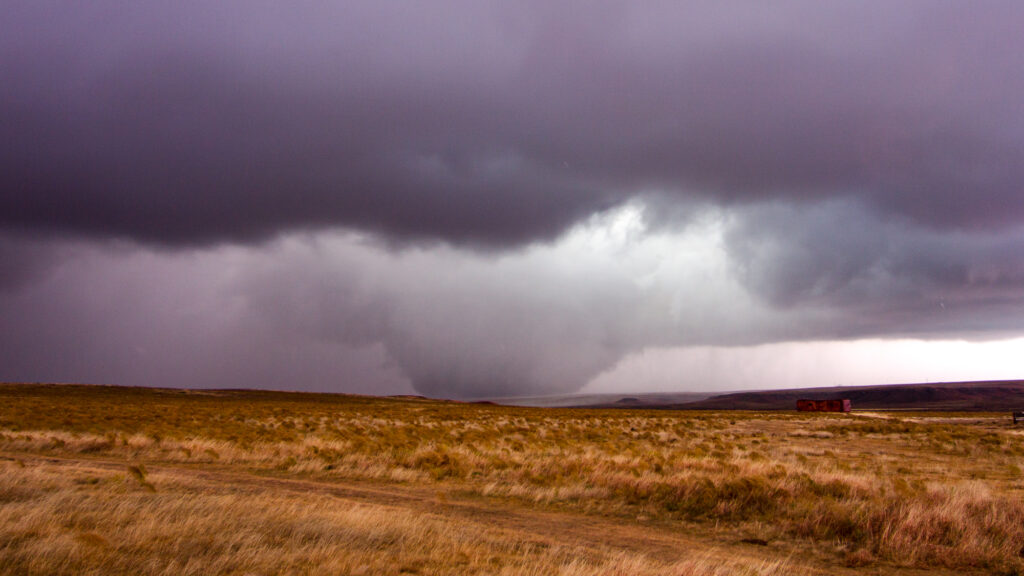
(962,396)
(644,400)
(985,396)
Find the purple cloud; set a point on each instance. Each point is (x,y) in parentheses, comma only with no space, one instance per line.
(863,168)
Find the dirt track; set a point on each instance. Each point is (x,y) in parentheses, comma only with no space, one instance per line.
(598,535)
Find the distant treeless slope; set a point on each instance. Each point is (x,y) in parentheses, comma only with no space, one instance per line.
(981,396)
(635,400)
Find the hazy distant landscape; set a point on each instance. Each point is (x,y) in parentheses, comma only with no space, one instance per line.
(609,400)
(997,395)
(108,480)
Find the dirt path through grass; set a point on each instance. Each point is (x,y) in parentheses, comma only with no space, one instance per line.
(667,542)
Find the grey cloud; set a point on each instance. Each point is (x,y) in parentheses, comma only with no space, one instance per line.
(480,124)
(541,319)
(880,274)
(118,315)
(342,312)
(809,170)
(319,312)
(456,324)
(137,135)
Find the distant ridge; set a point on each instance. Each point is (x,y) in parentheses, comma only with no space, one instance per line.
(632,400)
(996,395)
(981,396)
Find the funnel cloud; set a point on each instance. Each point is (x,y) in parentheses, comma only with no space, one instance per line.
(473,199)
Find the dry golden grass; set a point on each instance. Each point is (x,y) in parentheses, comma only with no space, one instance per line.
(82,520)
(932,491)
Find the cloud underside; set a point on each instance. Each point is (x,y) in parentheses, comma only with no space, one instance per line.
(483,199)
(493,126)
(341,311)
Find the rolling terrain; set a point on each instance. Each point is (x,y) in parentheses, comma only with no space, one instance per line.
(1004,395)
(639,400)
(107,480)
(1001,395)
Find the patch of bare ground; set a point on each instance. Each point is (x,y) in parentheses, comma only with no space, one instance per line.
(223,521)
(509,535)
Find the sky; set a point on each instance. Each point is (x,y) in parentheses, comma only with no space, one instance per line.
(481,199)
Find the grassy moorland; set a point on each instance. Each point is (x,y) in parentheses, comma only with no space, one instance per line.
(102,480)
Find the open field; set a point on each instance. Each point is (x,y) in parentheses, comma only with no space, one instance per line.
(102,480)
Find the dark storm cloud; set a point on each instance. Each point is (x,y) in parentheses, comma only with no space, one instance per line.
(189,123)
(198,193)
(316,311)
(883,275)
(199,123)
(338,312)
(118,315)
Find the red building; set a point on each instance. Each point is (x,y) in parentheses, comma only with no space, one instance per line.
(823,405)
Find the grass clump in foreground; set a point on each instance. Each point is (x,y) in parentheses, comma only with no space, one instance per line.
(56,524)
(922,490)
